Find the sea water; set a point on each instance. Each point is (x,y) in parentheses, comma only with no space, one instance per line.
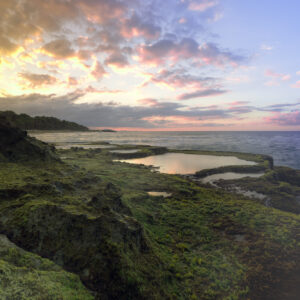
(283,146)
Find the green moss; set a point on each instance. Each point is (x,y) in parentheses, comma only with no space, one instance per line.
(24,275)
(200,243)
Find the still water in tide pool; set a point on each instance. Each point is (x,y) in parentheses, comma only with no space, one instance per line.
(125,151)
(229,176)
(181,163)
(84,146)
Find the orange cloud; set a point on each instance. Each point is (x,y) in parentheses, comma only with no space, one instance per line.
(37,80)
(7,47)
(102,11)
(60,48)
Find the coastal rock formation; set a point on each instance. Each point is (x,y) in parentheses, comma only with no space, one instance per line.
(93,247)
(16,145)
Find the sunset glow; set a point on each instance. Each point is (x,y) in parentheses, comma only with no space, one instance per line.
(153,65)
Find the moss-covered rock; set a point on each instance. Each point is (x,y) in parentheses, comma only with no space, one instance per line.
(26,276)
(90,246)
(93,217)
(15,145)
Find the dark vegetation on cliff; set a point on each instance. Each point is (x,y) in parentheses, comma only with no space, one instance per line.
(26,122)
(16,145)
(91,216)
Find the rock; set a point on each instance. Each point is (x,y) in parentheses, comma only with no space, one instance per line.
(109,197)
(92,247)
(16,145)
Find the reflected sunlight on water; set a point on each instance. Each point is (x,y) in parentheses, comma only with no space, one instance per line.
(181,163)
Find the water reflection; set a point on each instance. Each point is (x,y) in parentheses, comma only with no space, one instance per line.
(125,151)
(229,176)
(156,194)
(84,146)
(181,163)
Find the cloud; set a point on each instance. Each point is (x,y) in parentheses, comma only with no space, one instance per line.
(266,47)
(22,19)
(7,47)
(38,80)
(201,93)
(72,81)
(212,54)
(284,119)
(237,103)
(186,49)
(280,107)
(106,114)
(202,5)
(60,48)
(296,85)
(117,59)
(98,72)
(135,27)
(179,78)
(149,102)
(83,41)
(91,89)
(102,11)
(283,77)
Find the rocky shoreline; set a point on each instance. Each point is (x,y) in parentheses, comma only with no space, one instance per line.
(92,221)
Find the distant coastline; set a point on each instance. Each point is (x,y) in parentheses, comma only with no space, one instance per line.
(27,122)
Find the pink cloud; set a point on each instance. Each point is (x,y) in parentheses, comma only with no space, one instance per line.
(296,85)
(283,77)
(91,89)
(201,94)
(102,11)
(167,50)
(178,78)
(237,103)
(167,121)
(149,102)
(98,72)
(284,119)
(202,5)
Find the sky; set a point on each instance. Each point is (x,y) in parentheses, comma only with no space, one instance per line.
(204,65)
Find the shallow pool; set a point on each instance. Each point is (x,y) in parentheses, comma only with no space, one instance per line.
(162,194)
(84,146)
(182,163)
(229,176)
(125,151)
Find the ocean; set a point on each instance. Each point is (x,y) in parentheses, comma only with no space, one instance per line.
(283,146)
